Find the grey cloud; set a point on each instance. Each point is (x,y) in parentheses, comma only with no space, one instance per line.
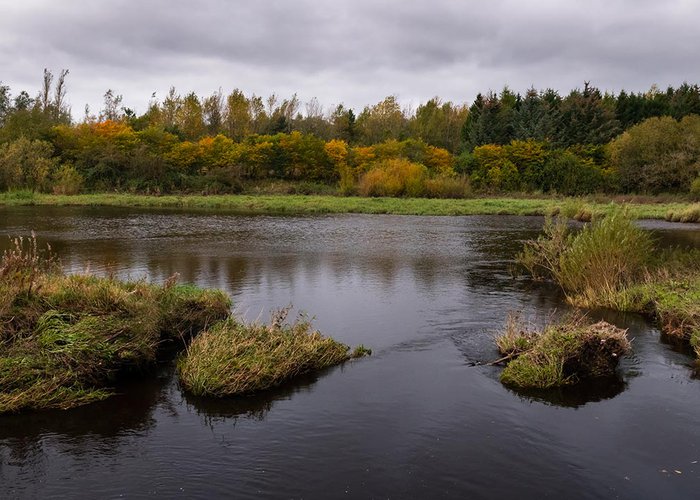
(352,51)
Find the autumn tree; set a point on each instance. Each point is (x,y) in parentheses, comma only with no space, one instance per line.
(237,116)
(385,120)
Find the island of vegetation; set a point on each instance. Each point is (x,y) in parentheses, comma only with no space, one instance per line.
(563,353)
(236,358)
(610,263)
(66,340)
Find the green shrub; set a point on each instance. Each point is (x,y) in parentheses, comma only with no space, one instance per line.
(67,180)
(695,189)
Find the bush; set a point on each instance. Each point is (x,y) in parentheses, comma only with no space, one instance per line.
(569,174)
(448,187)
(67,180)
(25,164)
(695,189)
(394,177)
(658,155)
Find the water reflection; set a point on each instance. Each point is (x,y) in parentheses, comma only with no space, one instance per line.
(251,406)
(35,444)
(585,392)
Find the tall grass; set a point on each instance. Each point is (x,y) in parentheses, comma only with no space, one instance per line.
(236,358)
(593,265)
(689,214)
(66,339)
(612,263)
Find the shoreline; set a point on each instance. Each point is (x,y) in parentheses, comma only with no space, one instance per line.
(571,207)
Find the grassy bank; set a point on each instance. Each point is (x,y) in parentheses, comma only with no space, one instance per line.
(236,358)
(612,263)
(66,340)
(563,353)
(580,208)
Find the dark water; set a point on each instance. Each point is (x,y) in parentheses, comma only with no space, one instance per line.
(415,420)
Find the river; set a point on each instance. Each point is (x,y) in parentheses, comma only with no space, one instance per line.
(421,418)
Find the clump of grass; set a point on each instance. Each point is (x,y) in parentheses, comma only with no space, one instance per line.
(689,214)
(66,339)
(592,265)
(237,358)
(516,337)
(612,263)
(563,353)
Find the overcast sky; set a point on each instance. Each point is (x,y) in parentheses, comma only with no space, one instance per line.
(346,51)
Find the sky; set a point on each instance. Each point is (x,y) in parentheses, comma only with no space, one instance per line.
(354,52)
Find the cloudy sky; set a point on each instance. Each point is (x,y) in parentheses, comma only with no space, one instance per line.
(346,51)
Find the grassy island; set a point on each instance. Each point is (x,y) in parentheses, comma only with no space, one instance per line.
(66,340)
(236,358)
(561,354)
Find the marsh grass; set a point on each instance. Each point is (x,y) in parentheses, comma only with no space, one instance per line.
(236,358)
(612,263)
(563,353)
(64,340)
(689,214)
(593,265)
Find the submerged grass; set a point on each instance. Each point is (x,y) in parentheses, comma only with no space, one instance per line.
(237,358)
(64,340)
(583,208)
(563,353)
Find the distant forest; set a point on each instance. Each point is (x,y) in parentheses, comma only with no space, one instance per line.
(541,142)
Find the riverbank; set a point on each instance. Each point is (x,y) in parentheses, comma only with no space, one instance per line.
(614,264)
(580,208)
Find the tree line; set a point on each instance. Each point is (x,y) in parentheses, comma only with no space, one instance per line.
(586,141)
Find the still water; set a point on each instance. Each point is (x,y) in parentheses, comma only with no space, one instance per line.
(421,418)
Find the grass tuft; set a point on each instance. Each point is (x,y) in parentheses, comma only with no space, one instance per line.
(237,358)
(561,354)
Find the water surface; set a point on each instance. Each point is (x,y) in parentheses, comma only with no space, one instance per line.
(421,418)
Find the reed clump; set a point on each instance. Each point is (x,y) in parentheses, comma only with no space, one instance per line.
(233,357)
(563,353)
(65,340)
(612,263)
(592,265)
